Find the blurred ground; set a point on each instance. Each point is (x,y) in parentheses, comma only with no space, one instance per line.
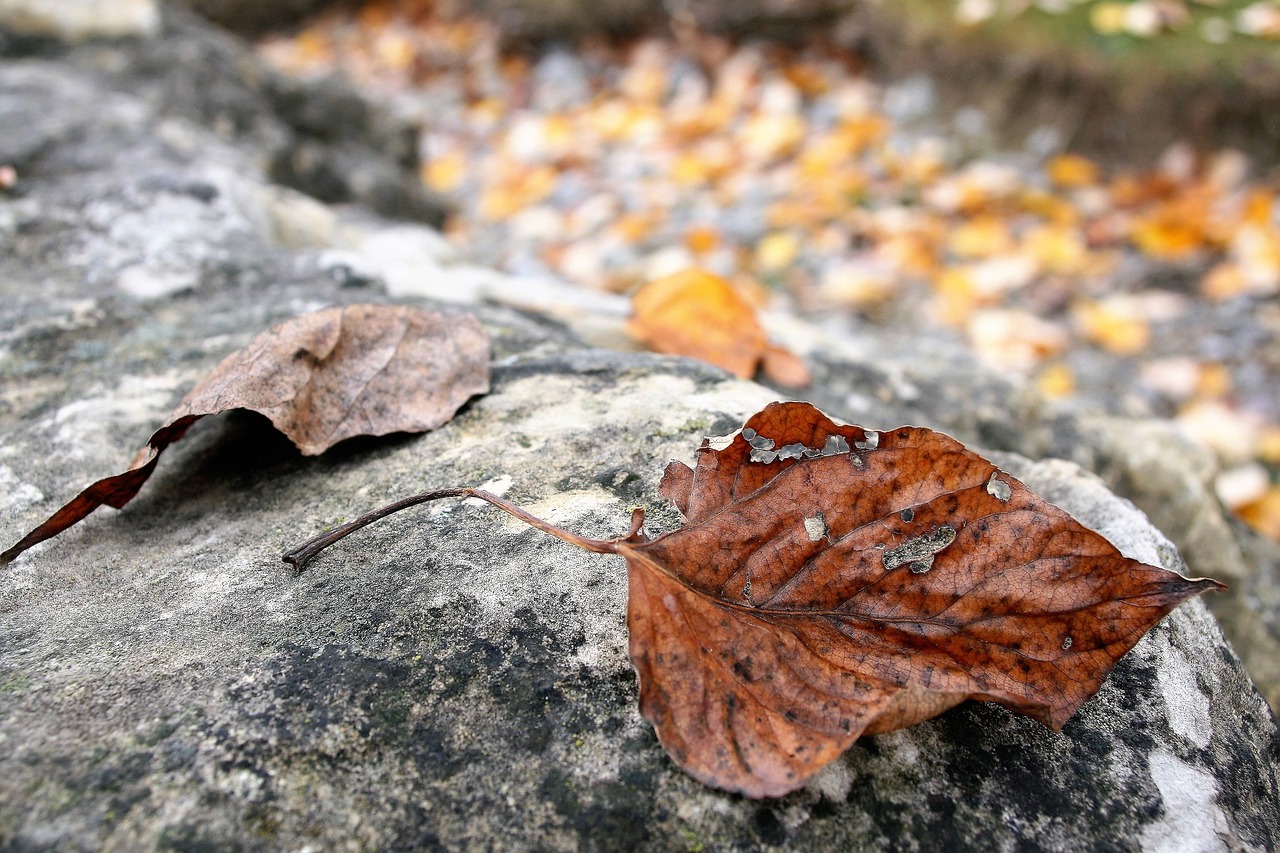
(812,188)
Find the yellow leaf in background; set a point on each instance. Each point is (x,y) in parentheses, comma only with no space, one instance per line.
(776,251)
(1224,281)
(314,46)
(1263,515)
(445,173)
(1056,381)
(645,81)
(520,189)
(1014,339)
(1259,207)
(633,227)
(1108,19)
(980,237)
(957,296)
(1050,206)
(823,155)
(689,170)
(395,51)
(768,136)
(1057,249)
(559,134)
(1213,382)
(1257,252)
(1268,448)
(861,131)
(858,283)
(1228,430)
(698,314)
(1115,324)
(1072,170)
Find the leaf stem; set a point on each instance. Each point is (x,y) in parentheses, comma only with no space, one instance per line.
(302,554)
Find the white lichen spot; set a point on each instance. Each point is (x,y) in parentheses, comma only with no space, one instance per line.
(999,489)
(834,782)
(497,486)
(1186,702)
(815,527)
(1190,818)
(870,440)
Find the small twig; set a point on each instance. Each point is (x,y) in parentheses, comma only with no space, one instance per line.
(301,555)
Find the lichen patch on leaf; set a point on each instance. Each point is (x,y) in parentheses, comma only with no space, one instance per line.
(920,550)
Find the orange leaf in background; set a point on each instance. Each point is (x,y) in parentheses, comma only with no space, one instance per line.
(698,314)
(1072,170)
(700,239)
(783,367)
(1171,233)
(1263,515)
(1131,191)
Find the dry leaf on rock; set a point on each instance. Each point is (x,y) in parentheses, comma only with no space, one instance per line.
(698,314)
(320,378)
(832,582)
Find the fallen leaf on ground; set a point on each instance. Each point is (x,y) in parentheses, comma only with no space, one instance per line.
(699,314)
(832,581)
(319,378)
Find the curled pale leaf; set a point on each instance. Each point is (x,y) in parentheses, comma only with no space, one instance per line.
(320,378)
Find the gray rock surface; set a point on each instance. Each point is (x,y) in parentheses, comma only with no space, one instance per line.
(450,678)
(76,20)
(317,136)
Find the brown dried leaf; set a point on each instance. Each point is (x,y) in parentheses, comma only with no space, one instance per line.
(320,378)
(833,581)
